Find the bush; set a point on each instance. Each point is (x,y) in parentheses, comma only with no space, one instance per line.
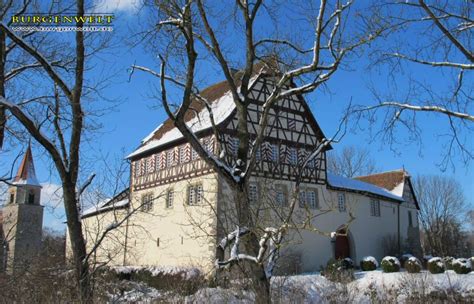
(462,266)
(347,263)
(436,265)
(185,280)
(338,271)
(425,260)
(413,265)
(368,263)
(405,258)
(448,262)
(390,264)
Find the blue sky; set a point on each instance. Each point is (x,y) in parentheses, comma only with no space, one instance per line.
(134,117)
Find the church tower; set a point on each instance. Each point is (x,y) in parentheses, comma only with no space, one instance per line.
(22,217)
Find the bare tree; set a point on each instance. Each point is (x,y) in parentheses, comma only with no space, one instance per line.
(439,44)
(352,161)
(59,132)
(442,209)
(191,26)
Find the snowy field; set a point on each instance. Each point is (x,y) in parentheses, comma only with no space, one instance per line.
(368,287)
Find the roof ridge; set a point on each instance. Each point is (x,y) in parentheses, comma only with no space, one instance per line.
(383,172)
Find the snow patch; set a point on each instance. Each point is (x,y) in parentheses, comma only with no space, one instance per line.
(370,259)
(352,184)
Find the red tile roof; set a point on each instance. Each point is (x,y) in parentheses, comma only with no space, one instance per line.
(26,171)
(388,180)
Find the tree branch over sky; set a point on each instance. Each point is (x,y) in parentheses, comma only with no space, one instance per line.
(443,50)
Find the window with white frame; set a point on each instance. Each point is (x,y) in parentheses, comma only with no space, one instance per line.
(157,162)
(258,154)
(253,193)
(146,202)
(169,198)
(293,156)
(234,146)
(137,168)
(194,154)
(280,195)
(169,158)
(374,207)
(275,153)
(341,202)
(182,154)
(195,194)
(312,199)
(302,199)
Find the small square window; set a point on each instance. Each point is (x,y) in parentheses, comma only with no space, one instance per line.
(374,207)
(312,199)
(195,195)
(169,158)
(281,196)
(341,202)
(253,193)
(293,156)
(302,199)
(147,202)
(169,198)
(182,154)
(275,153)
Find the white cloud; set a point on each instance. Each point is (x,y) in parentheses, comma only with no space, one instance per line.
(52,200)
(109,6)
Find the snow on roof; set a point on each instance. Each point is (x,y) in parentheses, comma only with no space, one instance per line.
(356,185)
(104,206)
(221,108)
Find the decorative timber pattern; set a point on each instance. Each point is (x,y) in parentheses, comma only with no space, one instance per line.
(291,136)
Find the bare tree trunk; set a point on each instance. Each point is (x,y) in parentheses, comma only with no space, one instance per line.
(256,272)
(77,242)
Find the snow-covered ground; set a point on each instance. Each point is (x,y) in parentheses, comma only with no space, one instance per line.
(368,287)
(392,287)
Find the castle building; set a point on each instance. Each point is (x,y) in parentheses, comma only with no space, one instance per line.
(21,218)
(183,208)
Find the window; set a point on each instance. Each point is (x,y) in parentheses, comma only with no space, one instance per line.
(410,219)
(275,153)
(374,207)
(147,202)
(253,193)
(12,198)
(31,198)
(302,199)
(293,156)
(234,146)
(194,155)
(258,155)
(169,198)
(147,166)
(308,199)
(208,144)
(312,199)
(341,202)
(280,195)
(169,158)
(182,154)
(195,194)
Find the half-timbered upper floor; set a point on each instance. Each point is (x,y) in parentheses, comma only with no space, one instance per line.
(291,135)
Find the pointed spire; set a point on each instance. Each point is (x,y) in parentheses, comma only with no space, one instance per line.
(26,173)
